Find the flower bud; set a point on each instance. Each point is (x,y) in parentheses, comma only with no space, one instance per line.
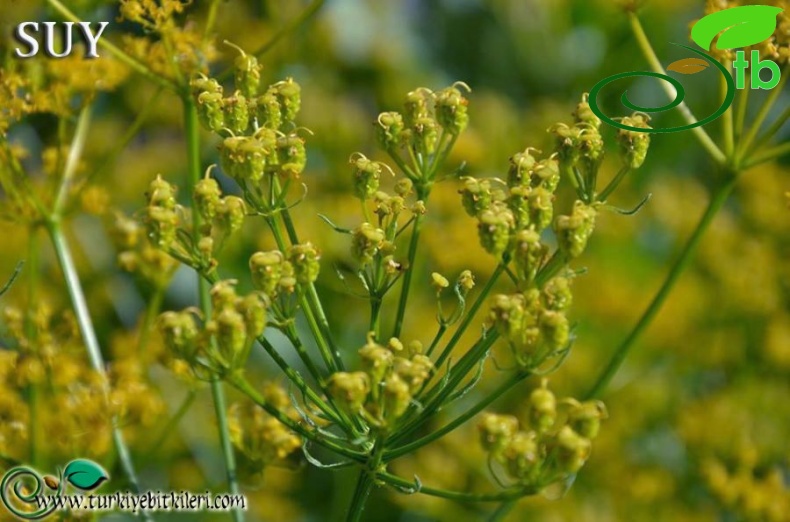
(305,260)
(496,431)
(161,194)
(394,345)
(289,95)
(366,177)
(231,334)
(424,135)
(397,398)
(349,389)
(417,105)
(439,282)
(268,110)
(541,208)
(415,348)
(585,418)
(180,333)
(494,229)
(389,130)
(223,295)
(366,242)
(542,408)
(518,203)
(557,294)
(451,110)
(521,455)
(125,232)
(413,371)
(291,156)
(207,198)
(204,84)
(376,361)
(475,195)
(247,74)
(205,247)
(231,213)
(236,112)
(403,187)
(584,114)
(507,315)
(575,230)
(521,165)
(210,110)
(572,450)
(466,281)
(253,309)
(162,224)
(287,282)
(528,253)
(547,175)
(554,329)
(634,145)
(266,269)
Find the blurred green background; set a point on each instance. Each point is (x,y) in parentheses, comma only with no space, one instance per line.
(699,414)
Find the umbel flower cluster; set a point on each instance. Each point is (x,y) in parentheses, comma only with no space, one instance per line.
(373,414)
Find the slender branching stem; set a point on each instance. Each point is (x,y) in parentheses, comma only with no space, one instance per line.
(717,200)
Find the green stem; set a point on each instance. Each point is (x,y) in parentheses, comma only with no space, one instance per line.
(88,333)
(717,201)
(404,293)
(768,155)
(317,332)
(470,315)
(365,482)
(132,62)
(612,186)
(32,334)
(766,137)
(172,423)
(650,55)
(293,336)
(727,122)
(241,384)
(287,29)
(743,105)
(746,146)
(151,313)
(73,159)
(509,494)
(502,511)
(192,131)
(211,18)
(454,424)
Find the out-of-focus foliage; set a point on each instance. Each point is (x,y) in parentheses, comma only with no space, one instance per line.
(698,417)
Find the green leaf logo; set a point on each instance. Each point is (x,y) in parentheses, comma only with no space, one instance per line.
(84,474)
(742,26)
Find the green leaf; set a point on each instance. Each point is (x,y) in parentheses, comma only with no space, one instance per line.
(84,474)
(742,26)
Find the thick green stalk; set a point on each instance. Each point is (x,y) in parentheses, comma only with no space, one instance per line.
(502,511)
(365,483)
(192,131)
(718,199)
